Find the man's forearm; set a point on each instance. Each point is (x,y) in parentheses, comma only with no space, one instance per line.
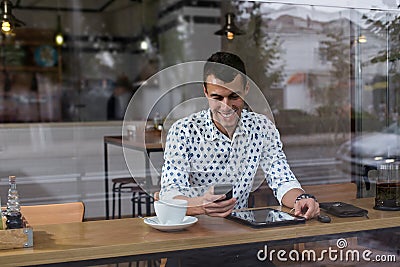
(290,197)
(195,205)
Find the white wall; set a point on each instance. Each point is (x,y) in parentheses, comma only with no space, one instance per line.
(297,96)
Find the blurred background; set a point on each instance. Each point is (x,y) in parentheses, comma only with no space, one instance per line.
(329,72)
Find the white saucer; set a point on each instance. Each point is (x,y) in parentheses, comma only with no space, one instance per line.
(187,221)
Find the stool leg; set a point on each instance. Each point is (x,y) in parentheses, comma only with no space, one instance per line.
(133,204)
(113,201)
(148,201)
(139,202)
(119,201)
(152,204)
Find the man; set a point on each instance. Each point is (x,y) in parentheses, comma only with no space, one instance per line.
(226,144)
(119,100)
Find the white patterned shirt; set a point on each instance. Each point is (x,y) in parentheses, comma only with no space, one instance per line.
(197,155)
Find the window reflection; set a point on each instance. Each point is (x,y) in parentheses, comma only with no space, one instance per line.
(324,86)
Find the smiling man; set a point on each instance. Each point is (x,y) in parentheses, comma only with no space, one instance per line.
(226,144)
(226,104)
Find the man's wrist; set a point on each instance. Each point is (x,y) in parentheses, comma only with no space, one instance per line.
(195,206)
(305,196)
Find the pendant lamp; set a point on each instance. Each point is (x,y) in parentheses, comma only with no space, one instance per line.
(230,30)
(8,21)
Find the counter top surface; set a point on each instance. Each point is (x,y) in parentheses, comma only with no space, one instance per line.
(130,237)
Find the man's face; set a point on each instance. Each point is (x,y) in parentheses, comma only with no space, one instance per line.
(226,102)
(119,90)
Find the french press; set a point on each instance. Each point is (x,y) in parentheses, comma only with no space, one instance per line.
(388,187)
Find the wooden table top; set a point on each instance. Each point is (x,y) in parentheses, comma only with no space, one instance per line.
(151,141)
(127,237)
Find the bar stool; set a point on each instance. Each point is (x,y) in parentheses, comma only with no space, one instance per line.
(122,185)
(143,196)
(139,196)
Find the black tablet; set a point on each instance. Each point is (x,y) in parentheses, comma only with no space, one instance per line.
(265,217)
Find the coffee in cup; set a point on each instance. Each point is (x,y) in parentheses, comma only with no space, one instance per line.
(388,187)
(170,211)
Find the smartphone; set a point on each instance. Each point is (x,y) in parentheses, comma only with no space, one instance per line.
(221,189)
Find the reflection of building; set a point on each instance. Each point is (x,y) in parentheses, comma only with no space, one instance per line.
(301,30)
(378,86)
(296,94)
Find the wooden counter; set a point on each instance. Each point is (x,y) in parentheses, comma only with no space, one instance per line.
(98,241)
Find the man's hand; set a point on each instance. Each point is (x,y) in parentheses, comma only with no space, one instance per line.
(304,207)
(217,209)
(307,208)
(206,205)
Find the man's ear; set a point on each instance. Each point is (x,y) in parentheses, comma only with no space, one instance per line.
(246,88)
(205,90)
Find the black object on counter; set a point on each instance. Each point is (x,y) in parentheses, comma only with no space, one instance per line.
(14,221)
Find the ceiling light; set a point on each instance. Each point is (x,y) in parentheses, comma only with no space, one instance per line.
(59,37)
(6,26)
(230,30)
(144,44)
(8,21)
(362,39)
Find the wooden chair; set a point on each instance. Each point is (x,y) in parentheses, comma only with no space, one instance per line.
(53,213)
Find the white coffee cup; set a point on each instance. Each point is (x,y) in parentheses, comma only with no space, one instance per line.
(170,211)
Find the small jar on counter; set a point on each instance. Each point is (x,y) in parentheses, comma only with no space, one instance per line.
(131,131)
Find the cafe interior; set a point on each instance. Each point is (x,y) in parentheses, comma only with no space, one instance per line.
(81,79)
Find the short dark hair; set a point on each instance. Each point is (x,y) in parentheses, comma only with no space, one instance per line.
(236,66)
(123,81)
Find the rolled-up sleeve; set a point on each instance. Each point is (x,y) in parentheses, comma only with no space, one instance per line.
(278,174)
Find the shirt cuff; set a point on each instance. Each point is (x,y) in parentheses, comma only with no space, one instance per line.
(284,188)
(169,194)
